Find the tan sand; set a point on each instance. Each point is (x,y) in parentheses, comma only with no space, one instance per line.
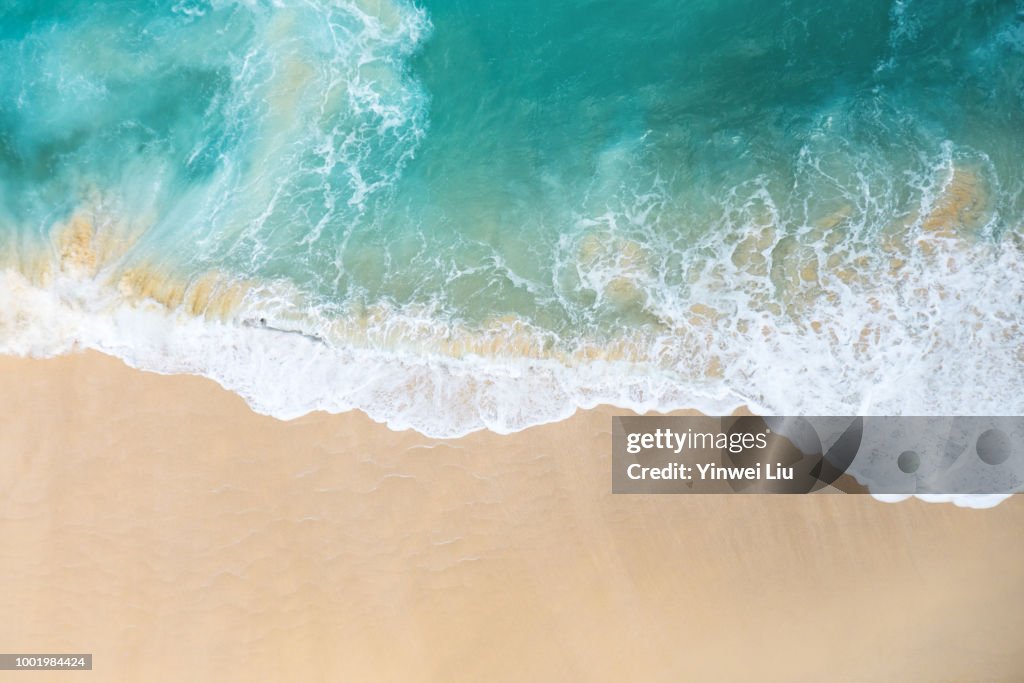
(161,525)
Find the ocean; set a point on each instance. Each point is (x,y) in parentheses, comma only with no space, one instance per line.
(460,215)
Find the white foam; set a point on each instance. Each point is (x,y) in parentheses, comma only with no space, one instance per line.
(951,350)
(976,501)
(941,338)
(287,374)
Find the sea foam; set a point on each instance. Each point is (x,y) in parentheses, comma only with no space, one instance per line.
(786,326)
(278,219)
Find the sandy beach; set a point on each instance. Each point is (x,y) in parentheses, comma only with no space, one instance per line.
(158,523)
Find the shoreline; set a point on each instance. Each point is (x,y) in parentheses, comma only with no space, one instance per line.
(157,522)
(288,373)
(735,336)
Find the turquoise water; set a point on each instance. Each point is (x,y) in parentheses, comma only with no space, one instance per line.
(802,206)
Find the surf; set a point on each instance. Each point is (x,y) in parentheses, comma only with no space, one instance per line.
(456,219)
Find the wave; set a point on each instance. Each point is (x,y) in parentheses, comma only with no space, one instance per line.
(921,318)
(248,191)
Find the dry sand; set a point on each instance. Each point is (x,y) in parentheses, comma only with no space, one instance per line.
(161,525)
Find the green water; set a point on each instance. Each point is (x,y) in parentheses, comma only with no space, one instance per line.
(586,167)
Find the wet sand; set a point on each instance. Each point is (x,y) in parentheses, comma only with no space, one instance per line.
(160,524)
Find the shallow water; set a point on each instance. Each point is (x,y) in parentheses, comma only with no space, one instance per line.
(456,216)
